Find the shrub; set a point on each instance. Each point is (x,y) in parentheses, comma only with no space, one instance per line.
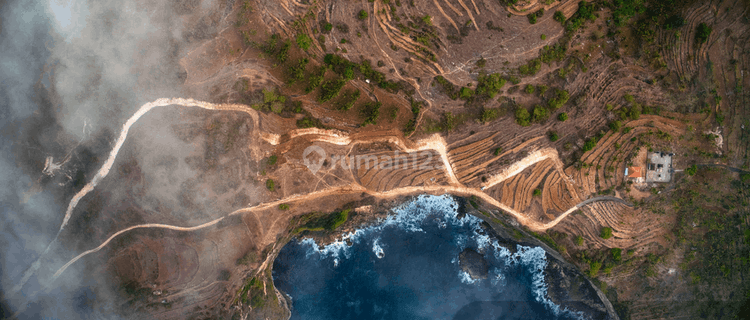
(579,241)
(427,20)
(297,71)
(560,99)
(522,116)
(701,35)
(465,93)
(537,192)
(594,267)
(691,170)
(488,115)
(585,12)
(327,27)
(542,89)
(303,41)
(553,136)
(272,160)
(330,89)
(490,85)
(362,15)
(615,125)
(562,117)
(497,151)
(589,144)
(606,233)
(543,37)
(616,254)
(270,185)
(529,89)
(559,17)
(539,114)
(370,112)
(283,206)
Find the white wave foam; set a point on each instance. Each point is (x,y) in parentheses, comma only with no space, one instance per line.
(466,278)
(377,249)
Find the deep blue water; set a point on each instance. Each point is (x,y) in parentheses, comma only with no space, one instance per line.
(407,267)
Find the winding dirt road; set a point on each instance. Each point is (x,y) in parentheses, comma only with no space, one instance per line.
(434,142)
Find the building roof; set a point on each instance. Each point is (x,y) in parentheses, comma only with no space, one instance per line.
(635,172)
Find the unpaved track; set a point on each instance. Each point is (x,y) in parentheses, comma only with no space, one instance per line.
(434,142)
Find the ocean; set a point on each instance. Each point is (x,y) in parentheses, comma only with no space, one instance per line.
(407,267)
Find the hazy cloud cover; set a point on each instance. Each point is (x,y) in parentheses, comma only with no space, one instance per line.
(71,72)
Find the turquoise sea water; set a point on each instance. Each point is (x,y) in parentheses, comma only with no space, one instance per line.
(406,267)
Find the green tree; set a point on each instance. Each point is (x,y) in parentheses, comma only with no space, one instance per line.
(616,254)
(529,89)
(615,125)
(691,170)
(562,116)
(362,15)
(606,233)
(594,267)
(539,114)
(537,192)
(522,116)
(270,185)
(303,41)
(701,35)
(559,17)
(488,115)
(553,136)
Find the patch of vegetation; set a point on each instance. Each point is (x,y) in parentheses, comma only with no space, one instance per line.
(330,89)
(252,293)
(691,170)
(283,206)
(497,151)
(606,233)
(465,93)
(594,267)
(489,115)
(539,114)
(523,117)
(702,33)
(585,12)
(297,71)
(553,136)
(529,89)
(270,185)
(362,15)
(531,68)
(303,41)
(490,84)
(537,192)
(534,16)
(315,79)
(562,116)
(559,17)
(348,100)
(411,125)
(561,98)
(322,222)
(272,160)
(370,112)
